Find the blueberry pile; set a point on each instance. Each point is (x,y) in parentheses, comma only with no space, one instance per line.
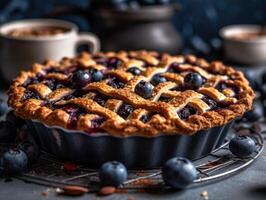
(24,151)
(82,78)
(128,4)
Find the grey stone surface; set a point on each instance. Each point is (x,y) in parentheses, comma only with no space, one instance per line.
(246,185)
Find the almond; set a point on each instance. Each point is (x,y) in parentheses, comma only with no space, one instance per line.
(73,190)
(108,190)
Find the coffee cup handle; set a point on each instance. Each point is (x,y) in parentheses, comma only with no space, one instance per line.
(91,40)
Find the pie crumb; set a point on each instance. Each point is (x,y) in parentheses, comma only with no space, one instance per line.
(204,194)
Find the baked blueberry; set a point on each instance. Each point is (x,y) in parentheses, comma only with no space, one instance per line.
(125,110)
(96,75)
(178,172)
(156,79)
(211,103)
(144,118)
(3,107)
(96,123)
(242,146)
(116,83)
(253,115)
(100,99)
(144,89)
(14,161)
(30,95)
(175,67)
(193,81)
(112,173)
(134,70)
(113,63)
(186,112)
(81,78)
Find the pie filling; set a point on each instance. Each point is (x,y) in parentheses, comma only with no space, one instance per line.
(116,91)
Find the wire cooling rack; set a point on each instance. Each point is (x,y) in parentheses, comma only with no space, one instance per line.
(218,164)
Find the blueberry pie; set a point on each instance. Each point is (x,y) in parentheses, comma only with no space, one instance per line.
(131,93)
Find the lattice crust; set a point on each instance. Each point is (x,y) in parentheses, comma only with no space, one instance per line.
(47,94)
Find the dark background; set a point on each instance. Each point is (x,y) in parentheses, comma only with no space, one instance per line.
(198,20)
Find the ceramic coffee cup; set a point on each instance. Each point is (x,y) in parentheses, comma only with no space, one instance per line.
(19,53)
(249,51)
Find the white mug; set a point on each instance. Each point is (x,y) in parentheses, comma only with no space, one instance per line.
(19,53)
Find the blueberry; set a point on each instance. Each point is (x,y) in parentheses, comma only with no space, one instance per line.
(186,112)
(50,83)
(116,83)
(253,115)
(242,146)
(125,110)
(3,107)
(193,81)
(156,79)
(112,173)
(144,118)
(31,149)
(14,161)
(100,99)
(8,131)
(134,70)
(144,89)
(211,103)
(81,78)
(175,67)
(114,63)
(13,119)
(97,76)
(178,172)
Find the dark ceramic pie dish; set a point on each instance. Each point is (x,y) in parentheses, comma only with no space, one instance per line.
(133,151)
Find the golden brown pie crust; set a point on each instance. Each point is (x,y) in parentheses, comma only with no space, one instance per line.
(164,121)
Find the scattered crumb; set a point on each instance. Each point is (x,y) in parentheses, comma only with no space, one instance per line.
(45,193)
(204,194)
(143,182)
